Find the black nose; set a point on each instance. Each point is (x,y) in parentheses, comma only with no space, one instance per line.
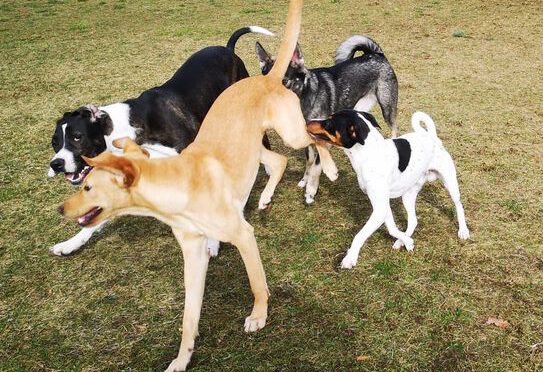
(61,209)
(57,165)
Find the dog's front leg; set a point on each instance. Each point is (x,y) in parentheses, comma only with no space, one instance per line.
(276,165)
(77,241)
(245,241)
(380,203)
(195,259)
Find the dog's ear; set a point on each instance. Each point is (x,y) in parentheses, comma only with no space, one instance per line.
(130,147)
(297,57)
(125,166)
(369,117)
(264,58)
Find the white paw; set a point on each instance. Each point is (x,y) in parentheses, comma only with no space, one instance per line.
(302,183)
(177,366)
(264,202)
(409,244)
(213,247)
(254,324)
(309,199)
(332,174)
(397,244)
(463,233)
(349,261)
(64,248)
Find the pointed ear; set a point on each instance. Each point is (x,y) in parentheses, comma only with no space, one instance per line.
(297,56)
(108,161)
(129,146)
(369,117)
(264,57)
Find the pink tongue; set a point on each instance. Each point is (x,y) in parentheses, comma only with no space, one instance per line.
(69,176)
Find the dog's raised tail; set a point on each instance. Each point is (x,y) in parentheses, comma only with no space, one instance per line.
(288,44)
(349,47)
(422,117)
(245,30)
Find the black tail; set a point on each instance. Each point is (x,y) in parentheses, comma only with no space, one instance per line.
(356,43)
(245,30)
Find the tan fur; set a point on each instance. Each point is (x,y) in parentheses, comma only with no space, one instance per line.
(201,193)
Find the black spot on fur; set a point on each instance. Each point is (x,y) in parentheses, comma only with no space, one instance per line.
(404,152)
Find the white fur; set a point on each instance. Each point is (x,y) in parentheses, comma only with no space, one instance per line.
(66,155)
(261,30)
(120,116)
(376,167)
(74,243)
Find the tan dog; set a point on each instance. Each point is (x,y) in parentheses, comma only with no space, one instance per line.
(201,193)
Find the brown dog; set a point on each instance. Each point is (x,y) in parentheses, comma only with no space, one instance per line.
(201,193)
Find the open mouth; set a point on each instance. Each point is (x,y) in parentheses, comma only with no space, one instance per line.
(77,177)
(87,218)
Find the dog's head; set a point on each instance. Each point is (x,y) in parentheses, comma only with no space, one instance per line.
(297,75)
(106,190)
(344,128)
(78,133)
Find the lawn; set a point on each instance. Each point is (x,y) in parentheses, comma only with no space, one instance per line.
(474,66)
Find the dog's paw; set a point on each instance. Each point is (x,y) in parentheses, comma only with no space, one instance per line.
(64,248)
(309,199)
(409,244)
(177,365)
(397,244)
(264,202)
(254,324)
(302,183)
(349,261)
(463,234)
(213,247)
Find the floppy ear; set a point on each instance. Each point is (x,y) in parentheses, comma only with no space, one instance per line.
(129,146)
(297,56)
(264,57)
(369,117)
(107,160)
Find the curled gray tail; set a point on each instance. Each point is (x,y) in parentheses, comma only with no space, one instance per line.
(356,43)
(245,30)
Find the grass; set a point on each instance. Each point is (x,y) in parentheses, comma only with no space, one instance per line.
(116,305)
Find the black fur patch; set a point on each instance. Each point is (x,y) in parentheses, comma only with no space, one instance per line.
(404,152)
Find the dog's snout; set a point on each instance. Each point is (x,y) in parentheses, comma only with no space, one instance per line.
(61,209)
(57,164)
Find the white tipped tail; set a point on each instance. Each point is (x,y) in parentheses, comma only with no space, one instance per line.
(261,30)
(419,117)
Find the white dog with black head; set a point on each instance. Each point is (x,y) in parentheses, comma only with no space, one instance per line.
(390,168)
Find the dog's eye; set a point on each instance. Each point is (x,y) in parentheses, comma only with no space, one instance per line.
(77,137)
(87,188)
(54,141)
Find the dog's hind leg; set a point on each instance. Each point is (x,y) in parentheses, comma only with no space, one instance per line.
(76,242)
(387,96)
(245,241)
(195,259)
(310,157)
(276,165)
(444,166)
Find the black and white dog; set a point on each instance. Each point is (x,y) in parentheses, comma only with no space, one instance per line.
(352,83)
(390,168)
(163,120)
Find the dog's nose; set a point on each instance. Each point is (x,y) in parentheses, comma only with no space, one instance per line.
(61,209)
(57,164)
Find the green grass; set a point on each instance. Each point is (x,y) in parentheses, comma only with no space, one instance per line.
(116,305)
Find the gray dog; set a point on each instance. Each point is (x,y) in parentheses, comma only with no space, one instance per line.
(352,83)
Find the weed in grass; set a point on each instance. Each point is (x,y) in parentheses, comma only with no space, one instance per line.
(79,26)
(460,34)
